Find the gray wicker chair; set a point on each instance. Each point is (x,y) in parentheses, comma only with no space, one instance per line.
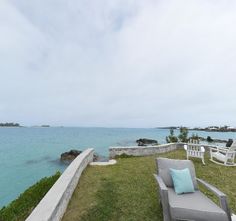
(190,206)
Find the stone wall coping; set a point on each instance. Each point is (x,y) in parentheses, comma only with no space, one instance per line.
(54,203)
(141,147)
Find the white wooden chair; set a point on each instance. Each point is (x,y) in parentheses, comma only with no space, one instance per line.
(224,155)
(194,149)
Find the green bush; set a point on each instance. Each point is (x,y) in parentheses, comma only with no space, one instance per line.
(19,209)
(194,137)
(183,136)
(171,138)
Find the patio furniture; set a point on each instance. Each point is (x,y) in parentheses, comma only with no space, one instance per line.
(193,206)
(194,149)
(224,156)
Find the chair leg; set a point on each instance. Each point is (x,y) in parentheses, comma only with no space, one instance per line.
(165,207)
(203,161)
(225,207)
(211,154)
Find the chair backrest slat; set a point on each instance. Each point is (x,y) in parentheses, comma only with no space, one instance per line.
(232,149)
(233,146)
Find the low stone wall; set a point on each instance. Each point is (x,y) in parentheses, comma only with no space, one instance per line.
(143,151)
(54,203)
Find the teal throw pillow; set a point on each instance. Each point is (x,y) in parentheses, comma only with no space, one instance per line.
(182,181)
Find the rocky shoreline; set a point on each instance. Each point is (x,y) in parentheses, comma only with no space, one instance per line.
(212,140)
(151,142)
(68,157)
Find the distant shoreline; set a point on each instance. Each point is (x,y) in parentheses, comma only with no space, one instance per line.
(13,125)
(207,129)
(9,124)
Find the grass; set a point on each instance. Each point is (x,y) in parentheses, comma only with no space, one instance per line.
(19,209)
(127,191)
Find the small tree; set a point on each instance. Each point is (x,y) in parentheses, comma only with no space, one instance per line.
(171,138)
(183,136)
(194,139)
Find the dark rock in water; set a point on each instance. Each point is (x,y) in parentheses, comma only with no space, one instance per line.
(95,157)
(229,142)
(145,142)
(70,155)
(209,139)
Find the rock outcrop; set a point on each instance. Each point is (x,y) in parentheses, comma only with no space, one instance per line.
(212,140)
(70,155)
(145,142)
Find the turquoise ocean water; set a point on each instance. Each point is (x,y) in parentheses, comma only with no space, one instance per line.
(28,154)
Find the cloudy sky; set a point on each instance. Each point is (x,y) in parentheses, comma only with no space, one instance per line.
(120,63)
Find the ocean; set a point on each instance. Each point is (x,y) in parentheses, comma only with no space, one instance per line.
(28,154)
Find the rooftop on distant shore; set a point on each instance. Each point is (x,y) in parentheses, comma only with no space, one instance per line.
(209,128)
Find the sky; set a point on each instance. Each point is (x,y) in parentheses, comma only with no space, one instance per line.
(120,63)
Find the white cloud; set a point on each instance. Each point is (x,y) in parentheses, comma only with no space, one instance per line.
(118,63)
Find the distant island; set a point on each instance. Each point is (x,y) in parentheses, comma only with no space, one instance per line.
(18,125)
(10,125)
(216,129)
(209,128)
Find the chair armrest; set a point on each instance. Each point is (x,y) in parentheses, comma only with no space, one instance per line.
(219,149)
(161,183)
(222,197)
(211,188)
(164,199)
(223,149)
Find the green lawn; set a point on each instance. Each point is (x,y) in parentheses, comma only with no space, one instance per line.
(127,191)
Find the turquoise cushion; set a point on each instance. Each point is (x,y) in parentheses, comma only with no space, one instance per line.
(182,181)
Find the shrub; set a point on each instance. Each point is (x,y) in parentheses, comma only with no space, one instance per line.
(194,138)
(183,136)
(171,138)
(19,209)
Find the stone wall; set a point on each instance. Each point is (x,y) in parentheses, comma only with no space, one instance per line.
(52,207)
(143,151)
